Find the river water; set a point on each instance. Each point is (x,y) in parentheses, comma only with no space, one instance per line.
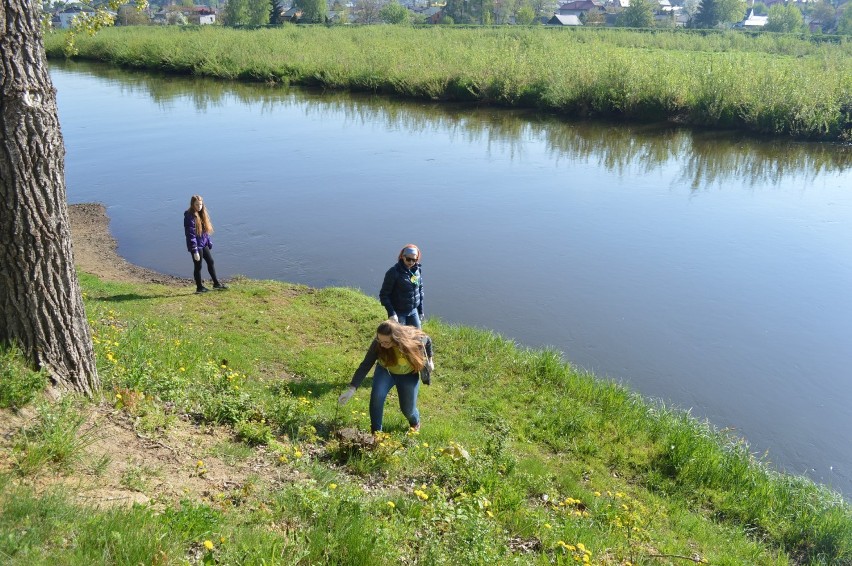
(710,270)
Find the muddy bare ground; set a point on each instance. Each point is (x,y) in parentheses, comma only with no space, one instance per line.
(95,249)
(120,465)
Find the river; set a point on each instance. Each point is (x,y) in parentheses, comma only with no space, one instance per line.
(710,270)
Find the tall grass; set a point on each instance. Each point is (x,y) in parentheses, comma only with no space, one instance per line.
(771,84)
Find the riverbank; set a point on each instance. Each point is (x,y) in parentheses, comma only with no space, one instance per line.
(766,84)
(222,417)
(96,250)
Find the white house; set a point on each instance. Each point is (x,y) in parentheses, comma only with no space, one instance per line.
(63,18)
(560,20)
(753,21)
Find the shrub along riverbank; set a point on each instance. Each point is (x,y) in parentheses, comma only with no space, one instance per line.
(522,459)
(772,84)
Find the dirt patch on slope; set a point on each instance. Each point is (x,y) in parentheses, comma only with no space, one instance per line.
(95,249)
(121,467)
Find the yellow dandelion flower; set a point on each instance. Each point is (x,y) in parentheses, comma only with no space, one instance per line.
(297,453)
(222,540)
(332,486)
(182,369)
(425,445)
(489,513)
(118,396)
(548,526)
(391,504)
(199,463)
(581,547)
(208,544)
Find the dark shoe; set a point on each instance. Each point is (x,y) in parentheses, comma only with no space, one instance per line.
(416,428)
(201,289)
(220,286)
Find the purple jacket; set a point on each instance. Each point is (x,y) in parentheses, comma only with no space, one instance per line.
(194,242)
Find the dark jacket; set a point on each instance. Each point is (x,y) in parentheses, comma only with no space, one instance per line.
(194,242)
(402,290)
(372,357)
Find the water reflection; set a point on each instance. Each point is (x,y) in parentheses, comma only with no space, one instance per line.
(706,159)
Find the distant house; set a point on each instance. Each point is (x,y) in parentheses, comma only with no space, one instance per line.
(578,7)
(560,20)
(63,18)
(817,26)
(754,22)
(199,15)
(159,17)
(433,14)
(340,17)
(292,15)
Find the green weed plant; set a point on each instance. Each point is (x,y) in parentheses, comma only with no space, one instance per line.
(18,384)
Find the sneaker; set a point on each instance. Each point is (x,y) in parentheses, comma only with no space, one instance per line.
(201,289)
(416,428)
(220,286)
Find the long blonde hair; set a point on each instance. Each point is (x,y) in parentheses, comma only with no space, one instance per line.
(408,339)
(202,219)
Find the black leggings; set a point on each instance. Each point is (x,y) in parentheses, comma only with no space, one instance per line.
(196,267)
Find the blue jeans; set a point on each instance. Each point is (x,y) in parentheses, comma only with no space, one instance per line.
(407,386)
(410,319)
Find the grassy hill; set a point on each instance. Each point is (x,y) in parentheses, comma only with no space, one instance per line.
(217,439)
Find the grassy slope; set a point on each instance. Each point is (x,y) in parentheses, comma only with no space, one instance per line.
(556,457)
(771,83)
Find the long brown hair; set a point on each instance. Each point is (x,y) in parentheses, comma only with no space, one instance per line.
(202,219)
(409,340)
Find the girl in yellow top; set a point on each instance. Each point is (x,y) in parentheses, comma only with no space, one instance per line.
(399,353)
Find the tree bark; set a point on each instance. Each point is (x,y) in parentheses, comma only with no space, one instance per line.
(41,305)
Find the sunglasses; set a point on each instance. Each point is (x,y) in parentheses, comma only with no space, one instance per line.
(409,259)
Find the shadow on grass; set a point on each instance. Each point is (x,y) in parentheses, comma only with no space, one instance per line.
(131,297)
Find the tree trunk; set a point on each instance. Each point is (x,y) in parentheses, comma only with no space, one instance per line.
(41,306)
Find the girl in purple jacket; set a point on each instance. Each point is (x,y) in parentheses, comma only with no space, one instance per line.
(197,226)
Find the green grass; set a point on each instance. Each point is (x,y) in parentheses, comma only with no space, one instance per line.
(522,458)
(54,439)
(773,84)
(18,385)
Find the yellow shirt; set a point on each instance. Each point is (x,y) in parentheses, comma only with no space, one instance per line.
(401,366)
